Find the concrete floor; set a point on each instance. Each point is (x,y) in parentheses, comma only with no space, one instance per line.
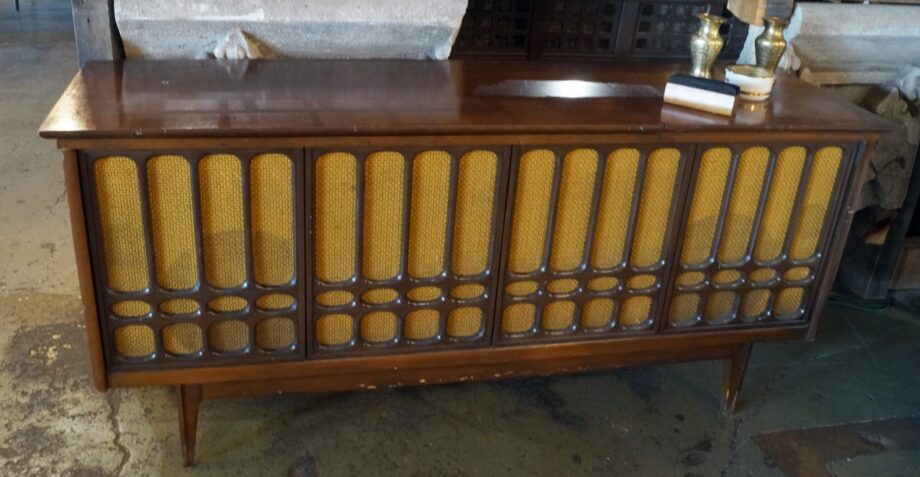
(661,420)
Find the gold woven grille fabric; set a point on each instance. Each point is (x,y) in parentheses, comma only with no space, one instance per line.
(473,212)
(378,327)
(275,333)
(172,226)
(755,303)
(797,273)
(684,308)
(762,275)
(531,210)
(182,339)
(640,282)
(428,213)
(134,341)
(336,216)
(736,233)
(464,322)
(334,330)
(179,306)
(814,205)
(383,209)
(227,304)
(597,313)
(275,301)
(558,315)
(228,336)
(271,196)
(564,285)
(602,284)
(131,308)
(726,277)
(335,298)
(423,294)
(780,201)
(118,194)
(706,205)
(421,324)
(573,209)
(522,288)
(223,235)
(690,278)
(607,250)
(788,302)
(379,296)
(518,318)
(720,306)
(467,291)
(652,219)
(635,310)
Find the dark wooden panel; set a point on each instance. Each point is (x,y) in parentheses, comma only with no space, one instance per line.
(154,294)
(480,372)
(284,98)
(449,362)
(747,265)
(495,28)
(622,272)
(403,282)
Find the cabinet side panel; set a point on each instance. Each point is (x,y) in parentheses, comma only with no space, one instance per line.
(73,185)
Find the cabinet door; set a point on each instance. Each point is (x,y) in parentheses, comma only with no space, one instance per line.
(403,242)
(196,255)
(756,232)
(588,236)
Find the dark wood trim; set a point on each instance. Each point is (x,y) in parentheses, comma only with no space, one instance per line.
(651,137)
(84,268)
(480,372)
(346,98)
(322,372)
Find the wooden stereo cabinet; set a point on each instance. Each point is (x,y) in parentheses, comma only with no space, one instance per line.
(293,226)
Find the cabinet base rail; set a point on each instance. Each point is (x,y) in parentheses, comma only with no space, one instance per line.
(191,395)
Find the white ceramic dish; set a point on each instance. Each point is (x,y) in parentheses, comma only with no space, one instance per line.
(755,83)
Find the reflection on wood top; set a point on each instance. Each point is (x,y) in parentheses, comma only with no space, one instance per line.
(293,98)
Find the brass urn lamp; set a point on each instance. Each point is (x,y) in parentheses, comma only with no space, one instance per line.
(770,45)
(705,45)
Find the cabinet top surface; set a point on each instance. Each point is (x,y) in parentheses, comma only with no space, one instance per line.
(292,98)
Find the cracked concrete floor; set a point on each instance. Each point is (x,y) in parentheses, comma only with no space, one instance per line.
(661,420)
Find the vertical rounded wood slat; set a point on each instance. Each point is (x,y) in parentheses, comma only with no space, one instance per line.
(638,187)
(519,228)
(607,227)
(464,236)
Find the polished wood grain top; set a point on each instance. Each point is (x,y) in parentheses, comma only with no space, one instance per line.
(294,98)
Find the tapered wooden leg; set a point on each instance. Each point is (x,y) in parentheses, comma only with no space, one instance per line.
(189,399)
(734,376)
